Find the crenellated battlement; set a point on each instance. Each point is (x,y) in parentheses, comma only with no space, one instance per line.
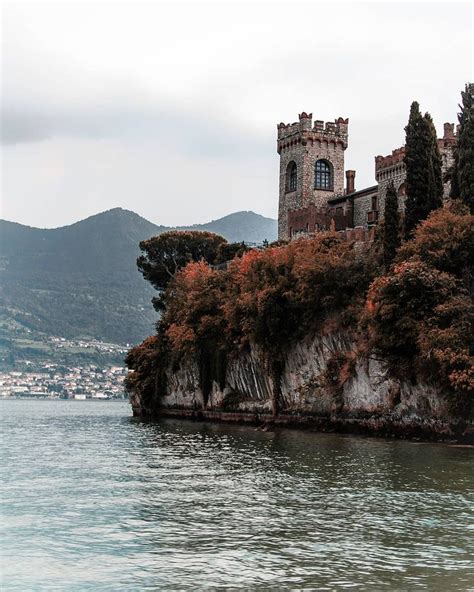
(304,131)
(311,219)
(448,140)
(384,162)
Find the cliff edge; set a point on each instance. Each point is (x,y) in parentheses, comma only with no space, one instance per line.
(317,389)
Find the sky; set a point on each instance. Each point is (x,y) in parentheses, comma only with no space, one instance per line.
(170,109)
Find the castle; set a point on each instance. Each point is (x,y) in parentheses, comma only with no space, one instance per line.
(313,195)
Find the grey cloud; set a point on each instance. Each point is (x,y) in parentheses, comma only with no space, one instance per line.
(17,126)
(197,133)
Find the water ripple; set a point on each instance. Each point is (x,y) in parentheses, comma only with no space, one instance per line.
(94,500)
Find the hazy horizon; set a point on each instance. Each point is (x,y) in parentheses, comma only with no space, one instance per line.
(170,110)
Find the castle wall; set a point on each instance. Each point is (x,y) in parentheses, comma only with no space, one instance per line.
(397,174)
(335,155)
(289,200)
(311,219)
(362,206)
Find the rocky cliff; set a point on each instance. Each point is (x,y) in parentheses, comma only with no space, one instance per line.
(320,384)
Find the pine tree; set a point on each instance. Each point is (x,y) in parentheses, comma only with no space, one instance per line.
(465,147)
(423,165)
(391,230)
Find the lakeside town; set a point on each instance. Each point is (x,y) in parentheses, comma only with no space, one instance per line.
(50,367)
(55,381)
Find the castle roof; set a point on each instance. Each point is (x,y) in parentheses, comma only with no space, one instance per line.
(354,195)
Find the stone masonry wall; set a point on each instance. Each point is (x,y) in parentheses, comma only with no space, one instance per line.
(362,206)
(304,144)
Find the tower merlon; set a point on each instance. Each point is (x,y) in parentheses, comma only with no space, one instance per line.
(305,131)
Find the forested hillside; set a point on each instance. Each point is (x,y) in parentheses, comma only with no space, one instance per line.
(81,280)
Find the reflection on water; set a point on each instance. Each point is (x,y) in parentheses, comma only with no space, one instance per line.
(94,500)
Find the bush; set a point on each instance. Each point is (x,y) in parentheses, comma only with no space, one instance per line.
(281,294)
(419,322)
(147,363)
(445,241)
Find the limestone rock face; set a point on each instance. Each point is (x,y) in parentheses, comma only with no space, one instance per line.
(320,376)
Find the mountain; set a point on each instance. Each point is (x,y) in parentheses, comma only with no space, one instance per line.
(241,226)
(81,281)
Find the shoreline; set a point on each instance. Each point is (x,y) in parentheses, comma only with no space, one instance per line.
(404,428)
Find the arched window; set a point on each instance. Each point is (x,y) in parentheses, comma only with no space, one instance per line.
(322,175)
(291,176)
(402,190)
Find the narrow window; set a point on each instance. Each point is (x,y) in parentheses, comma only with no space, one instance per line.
(291,176)
(374,202)
(323,175)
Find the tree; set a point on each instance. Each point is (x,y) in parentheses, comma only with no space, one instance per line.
(167,253)
(227,251)
(445,241)
(452,175)
(421,312)
(434,197)
(465,148)
(423,166)
(417,172)
(419,319)
(391,229)
(147,370)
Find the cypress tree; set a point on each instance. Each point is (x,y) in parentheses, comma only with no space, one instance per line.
(391,230)
(434,197)
(453,176)
(417,172)
(423,166)
(465,147)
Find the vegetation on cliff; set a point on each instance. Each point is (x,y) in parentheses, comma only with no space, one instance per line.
(415,315)
(421,312)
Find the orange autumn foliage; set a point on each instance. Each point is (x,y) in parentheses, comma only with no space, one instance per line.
(420,314)
(417,317)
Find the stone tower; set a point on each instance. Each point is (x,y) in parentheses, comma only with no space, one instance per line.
(311,165)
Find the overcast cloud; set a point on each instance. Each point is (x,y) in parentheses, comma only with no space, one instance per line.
(170,110)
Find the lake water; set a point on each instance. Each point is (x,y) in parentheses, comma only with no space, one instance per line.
(94,500)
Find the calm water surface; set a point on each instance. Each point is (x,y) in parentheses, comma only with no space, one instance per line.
(93,500)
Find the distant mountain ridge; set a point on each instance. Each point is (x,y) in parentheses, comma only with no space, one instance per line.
(240,226)
(81,280)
